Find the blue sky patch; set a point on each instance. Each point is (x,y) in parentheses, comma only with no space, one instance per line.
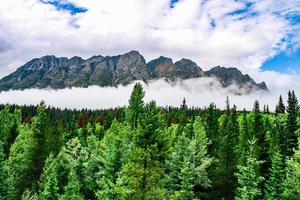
(283,62)
(66,6)
(173,2)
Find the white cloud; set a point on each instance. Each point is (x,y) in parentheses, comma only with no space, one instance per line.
(30,28)
(198,92)
(203,31)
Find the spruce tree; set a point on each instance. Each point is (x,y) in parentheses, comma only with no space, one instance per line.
(280,127)
(142,174)
(136,104)
(291,125)
(3,177)
(248,179)
(242,146)
(187,165)
(211,126)
(20,164)
(183,105)
(73,187)
(41,134)
(224,179)
(49,184)
(280,107)
(9,123)
(291,184)
(112,155)
(60,177)
(273,185)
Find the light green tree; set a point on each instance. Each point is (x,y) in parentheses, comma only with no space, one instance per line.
(291,183)
(248,178)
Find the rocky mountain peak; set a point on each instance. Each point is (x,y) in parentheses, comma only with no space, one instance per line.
(161,66)
(231,75)
(54,72)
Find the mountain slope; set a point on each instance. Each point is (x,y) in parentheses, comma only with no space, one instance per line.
(57,73)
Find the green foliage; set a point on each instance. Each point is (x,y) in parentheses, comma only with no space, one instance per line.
(280,107)
(8,127)
(136,104)
(142,175)
(113,154)
(248,179)
(291,126)
(187,165)
(72,189)
(292,180)
(152,153)
(20,164)
(274,187)
(3,184)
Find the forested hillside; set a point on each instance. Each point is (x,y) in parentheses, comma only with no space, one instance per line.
(144,151)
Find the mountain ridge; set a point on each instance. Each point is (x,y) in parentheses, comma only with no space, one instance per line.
(61,72)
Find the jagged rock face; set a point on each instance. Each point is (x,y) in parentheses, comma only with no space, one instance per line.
(53,72)
(161,67)
(185,69)
(129,67)
(229,76)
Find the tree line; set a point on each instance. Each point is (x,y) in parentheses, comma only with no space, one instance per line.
(143,151)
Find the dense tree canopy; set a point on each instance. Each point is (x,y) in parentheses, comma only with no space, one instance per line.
(144,151)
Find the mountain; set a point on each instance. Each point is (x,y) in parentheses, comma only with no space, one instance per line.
(57,73)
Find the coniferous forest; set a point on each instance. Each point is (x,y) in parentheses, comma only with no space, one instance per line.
(144,151)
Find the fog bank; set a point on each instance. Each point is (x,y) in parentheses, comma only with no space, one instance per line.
(198,92)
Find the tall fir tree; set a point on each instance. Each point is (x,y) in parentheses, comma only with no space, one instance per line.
(212,128)
(3,177)
(187,165)
(60,177)
(248,178)
(136,104)
(73,187)
(291,125)
(20,165)
(113,155)
(242,147)
(291,184)
(259,133)
(224,180)
(142,174)
(9,123)
(280,107)
(274,183)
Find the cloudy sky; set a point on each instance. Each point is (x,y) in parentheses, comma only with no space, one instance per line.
(260,37)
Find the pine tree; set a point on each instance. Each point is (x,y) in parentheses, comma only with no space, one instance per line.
(9,123)
(41,134)
(20,164)
(291,125)
(60,178)
(211,126)
(49,183)
(257,128)
(72,189)
(273,186)
(143,173)
(291,184)
(187,165)
(136,104)
(183,105)
(280,108)
(280,127)
(3,184)
(242,147)
(113,155)
(248,179)
(224,179)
